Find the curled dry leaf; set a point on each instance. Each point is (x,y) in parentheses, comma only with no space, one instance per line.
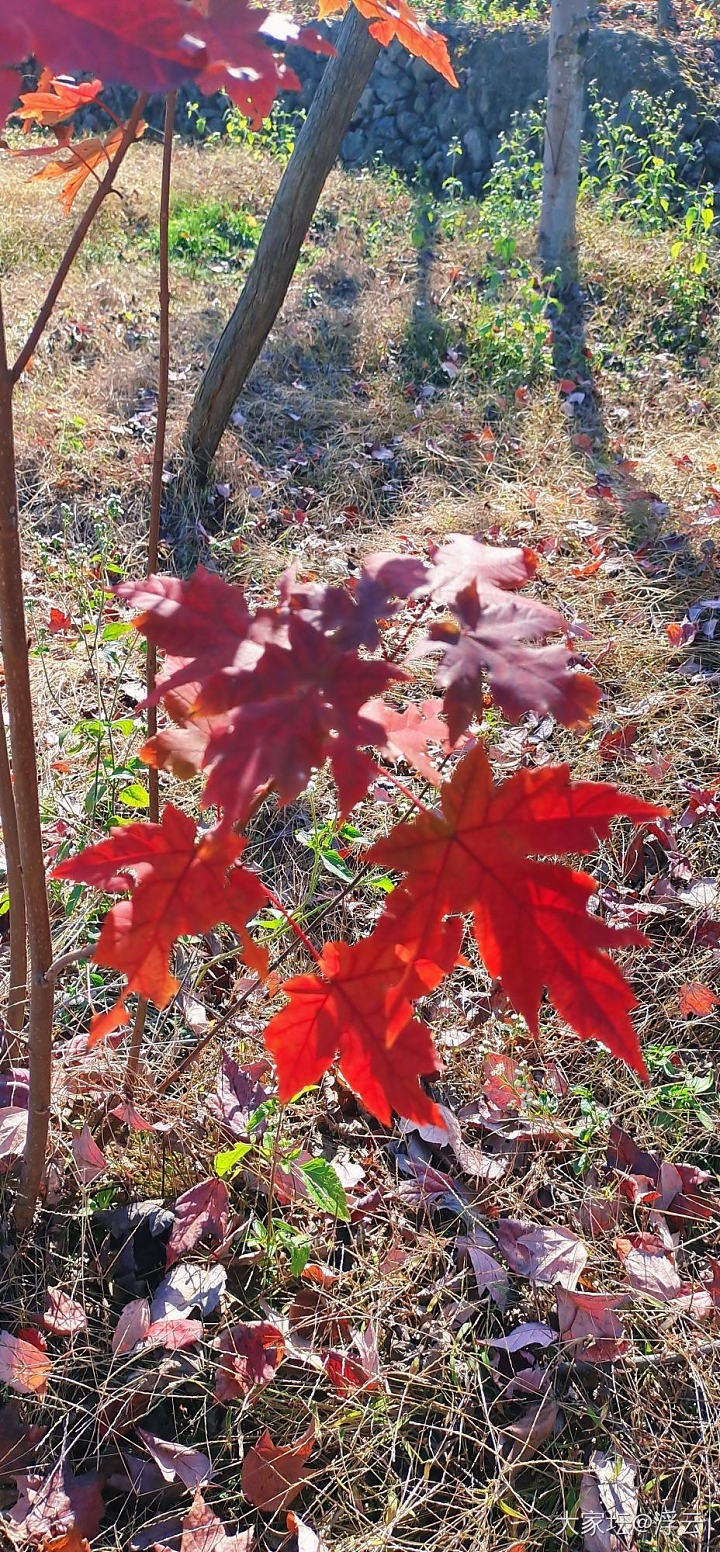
(23,1367)
(274,1474)
(173,1460)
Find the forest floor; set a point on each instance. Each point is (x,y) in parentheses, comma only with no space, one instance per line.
(411,388)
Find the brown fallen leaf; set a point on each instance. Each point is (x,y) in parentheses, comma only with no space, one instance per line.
(274,1474)
(249,1356)
(18,1440)
(191,1467)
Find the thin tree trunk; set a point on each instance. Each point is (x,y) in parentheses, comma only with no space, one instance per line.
(25,784)
(15,1016)
(133,1061)
(286,227)
(563,135)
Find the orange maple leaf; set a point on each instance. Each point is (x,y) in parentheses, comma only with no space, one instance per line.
(55,101)
(83,158)
(531,920)
(396,19)
(179,883)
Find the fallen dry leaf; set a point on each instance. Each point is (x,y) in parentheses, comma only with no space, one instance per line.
(274,1474)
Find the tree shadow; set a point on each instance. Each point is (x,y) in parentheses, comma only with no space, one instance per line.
(673,571)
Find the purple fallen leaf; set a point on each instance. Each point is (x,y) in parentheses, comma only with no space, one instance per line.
(199,1212)
(238,1095)
(59,1503)
(490,1276)
(174,1460)
(249,1356)
(544,1255)
(63,1316)
(18,1440)
(132,1327)
(532,1428)
(530,1333)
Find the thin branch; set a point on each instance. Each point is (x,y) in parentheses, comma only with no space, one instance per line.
(75,244)
(15,1016)
(74,956)
(13,626)
(133,1062)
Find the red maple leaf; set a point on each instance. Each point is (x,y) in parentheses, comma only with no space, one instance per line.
(201,623)
(531,920)
(178,883)
(346,1009)
(298,706)
(495,634)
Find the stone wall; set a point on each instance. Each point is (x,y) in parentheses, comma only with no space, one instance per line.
(409,116)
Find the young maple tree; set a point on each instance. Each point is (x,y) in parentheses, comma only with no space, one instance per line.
(153,46)
(261,699)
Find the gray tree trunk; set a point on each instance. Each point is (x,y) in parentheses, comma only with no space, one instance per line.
(563,135)
(286,227)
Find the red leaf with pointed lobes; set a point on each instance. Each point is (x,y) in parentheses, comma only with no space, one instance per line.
(495,635)
(530,918)
(300,705)
(179,883)
(143,42)
(347,1010)
(83,158)
(409,733)
(273,1474)
(201,623)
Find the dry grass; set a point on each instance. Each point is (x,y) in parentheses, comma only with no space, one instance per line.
(424,1461)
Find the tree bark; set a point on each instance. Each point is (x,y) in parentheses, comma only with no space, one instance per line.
(563,136)
(286,227)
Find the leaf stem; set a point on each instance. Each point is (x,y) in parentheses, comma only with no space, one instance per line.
(75,244)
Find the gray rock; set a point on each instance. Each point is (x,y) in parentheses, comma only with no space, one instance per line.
(476,147)
(712,155)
